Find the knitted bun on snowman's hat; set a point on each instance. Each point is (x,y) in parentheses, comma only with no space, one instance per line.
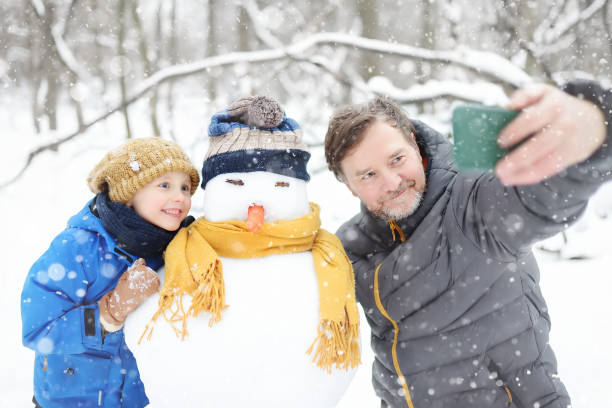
(257,111)
(254,134)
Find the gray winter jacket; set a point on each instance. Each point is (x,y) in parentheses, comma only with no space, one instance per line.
(456,312)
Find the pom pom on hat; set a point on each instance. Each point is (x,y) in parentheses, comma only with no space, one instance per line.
(257,111)
(131,166)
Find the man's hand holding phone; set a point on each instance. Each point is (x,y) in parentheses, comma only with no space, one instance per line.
(541,132)
(555,130)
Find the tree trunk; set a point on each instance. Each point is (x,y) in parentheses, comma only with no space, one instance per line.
(173,57)
(607,22)
(99,50)
(211,45)
(49,65)
(122,73)
(35,70)
(244,34)
(425,70)
(147,63)
(369,21)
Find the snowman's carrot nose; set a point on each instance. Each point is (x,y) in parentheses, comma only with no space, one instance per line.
(255,218)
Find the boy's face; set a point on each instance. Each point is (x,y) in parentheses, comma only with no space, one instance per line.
(165,201)
(386,172)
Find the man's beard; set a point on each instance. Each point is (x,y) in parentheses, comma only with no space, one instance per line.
(394,214)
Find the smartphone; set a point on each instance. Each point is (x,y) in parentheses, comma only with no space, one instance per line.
(475,131)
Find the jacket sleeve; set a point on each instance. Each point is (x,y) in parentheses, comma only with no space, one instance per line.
(58,311)
(504,220)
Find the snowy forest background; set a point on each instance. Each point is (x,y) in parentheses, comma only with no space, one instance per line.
(77,77)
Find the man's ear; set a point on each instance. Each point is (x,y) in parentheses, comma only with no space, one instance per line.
(340,177)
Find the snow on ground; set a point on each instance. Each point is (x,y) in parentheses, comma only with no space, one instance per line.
(37,207)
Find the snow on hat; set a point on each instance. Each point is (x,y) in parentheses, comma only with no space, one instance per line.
(131,166)
(254,134)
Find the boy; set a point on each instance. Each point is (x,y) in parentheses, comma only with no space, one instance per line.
(78,293)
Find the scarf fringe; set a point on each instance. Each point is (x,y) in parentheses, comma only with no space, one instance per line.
(209,297)
(336,346)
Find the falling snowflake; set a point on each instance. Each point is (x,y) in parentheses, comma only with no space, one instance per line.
(56,271)
(45,345)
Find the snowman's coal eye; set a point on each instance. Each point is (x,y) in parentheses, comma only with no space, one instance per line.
(236,182)
(281,184)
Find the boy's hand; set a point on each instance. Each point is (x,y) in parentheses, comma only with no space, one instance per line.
(562,129)
(134,286)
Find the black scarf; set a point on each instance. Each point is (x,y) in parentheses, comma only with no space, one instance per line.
(132,233)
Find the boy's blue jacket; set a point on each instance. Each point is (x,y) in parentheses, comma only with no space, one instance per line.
(75,364)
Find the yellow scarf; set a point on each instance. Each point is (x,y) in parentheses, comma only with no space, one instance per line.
(193,267)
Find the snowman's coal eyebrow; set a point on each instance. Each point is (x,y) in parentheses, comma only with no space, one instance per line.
(236,182)
(281,184)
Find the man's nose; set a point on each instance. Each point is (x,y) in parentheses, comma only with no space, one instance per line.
(391,180)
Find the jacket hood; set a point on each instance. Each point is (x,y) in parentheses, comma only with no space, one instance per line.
(87,220)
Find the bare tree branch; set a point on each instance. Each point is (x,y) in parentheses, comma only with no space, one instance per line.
(65,55)
(553,14)
(39,7)
(484,63)
(269,39)
(563,26)
(261,32)
(54,145)
(509,20)
(434,89)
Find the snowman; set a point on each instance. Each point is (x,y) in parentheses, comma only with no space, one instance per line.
(257,304)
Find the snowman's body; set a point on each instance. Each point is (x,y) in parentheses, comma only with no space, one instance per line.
(256,355)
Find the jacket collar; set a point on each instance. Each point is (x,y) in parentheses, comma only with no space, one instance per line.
(88,219)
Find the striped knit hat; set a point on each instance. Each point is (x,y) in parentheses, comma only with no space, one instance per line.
(131,166)
(254,134)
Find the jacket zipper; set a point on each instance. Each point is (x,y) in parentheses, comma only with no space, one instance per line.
(398,371)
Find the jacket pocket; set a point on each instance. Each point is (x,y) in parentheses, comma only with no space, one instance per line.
(78,379)
(495,375)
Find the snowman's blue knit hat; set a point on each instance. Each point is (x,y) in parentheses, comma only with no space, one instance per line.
(254,134)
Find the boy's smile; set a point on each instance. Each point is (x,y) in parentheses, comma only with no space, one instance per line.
(165,201)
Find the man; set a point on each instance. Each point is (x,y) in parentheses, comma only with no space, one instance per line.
(442,259)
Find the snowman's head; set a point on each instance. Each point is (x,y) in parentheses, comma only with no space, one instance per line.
(255,159)
(229,196)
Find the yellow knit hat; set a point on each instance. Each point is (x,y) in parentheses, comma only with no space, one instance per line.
(131,166)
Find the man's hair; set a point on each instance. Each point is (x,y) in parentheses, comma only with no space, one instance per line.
(348,125)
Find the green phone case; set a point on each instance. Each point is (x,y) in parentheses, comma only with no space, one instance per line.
(475,131)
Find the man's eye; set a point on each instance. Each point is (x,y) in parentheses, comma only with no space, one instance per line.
(281,184)
(397,159)
(236,182)
(367,176)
